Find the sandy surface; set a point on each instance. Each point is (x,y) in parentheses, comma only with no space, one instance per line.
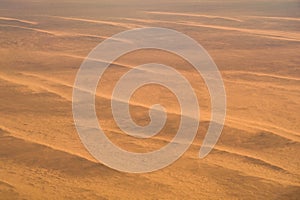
(256,47)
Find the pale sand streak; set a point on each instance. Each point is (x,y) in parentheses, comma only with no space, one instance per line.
(118,24)
(99,60)
(289,78)
(61,34)
(280,35)
(35,29)
(195,15)
(18,20)
(132,67)
(249,83)
(273,34)
(270,85)
(278,18)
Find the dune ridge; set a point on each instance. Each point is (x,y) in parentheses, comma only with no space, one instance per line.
(226,79)
(235,122)
(93,169)
(248,156)
(231,151)
(255,45)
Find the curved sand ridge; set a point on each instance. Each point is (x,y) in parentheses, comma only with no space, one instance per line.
(233,156)
(43,44)
(235,122)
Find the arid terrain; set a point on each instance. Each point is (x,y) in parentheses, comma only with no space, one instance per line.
(255,44)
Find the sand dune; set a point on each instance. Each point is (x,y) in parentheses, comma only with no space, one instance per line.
(14,148)
(49,149)
(289,134)
(259,168)
(195,15)
(249,83)
(274,84)
(33,86)
(285,133)
(250,157)
(18,20)
(8,191)
(70,166)
(234,122)
(232,156)
(262,165)
(20,135)
(256,48)
(11,142)
(65,165)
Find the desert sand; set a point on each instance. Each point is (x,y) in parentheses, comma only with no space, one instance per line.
(255,44)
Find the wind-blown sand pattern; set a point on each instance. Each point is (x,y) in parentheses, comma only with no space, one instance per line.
(58,33)
(18,20)
(196,15)
(43,44)
(277,18)
(280,35)
(266,75)
(124,25)
(273,34)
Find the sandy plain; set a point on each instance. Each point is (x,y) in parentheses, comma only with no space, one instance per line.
(256,47)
